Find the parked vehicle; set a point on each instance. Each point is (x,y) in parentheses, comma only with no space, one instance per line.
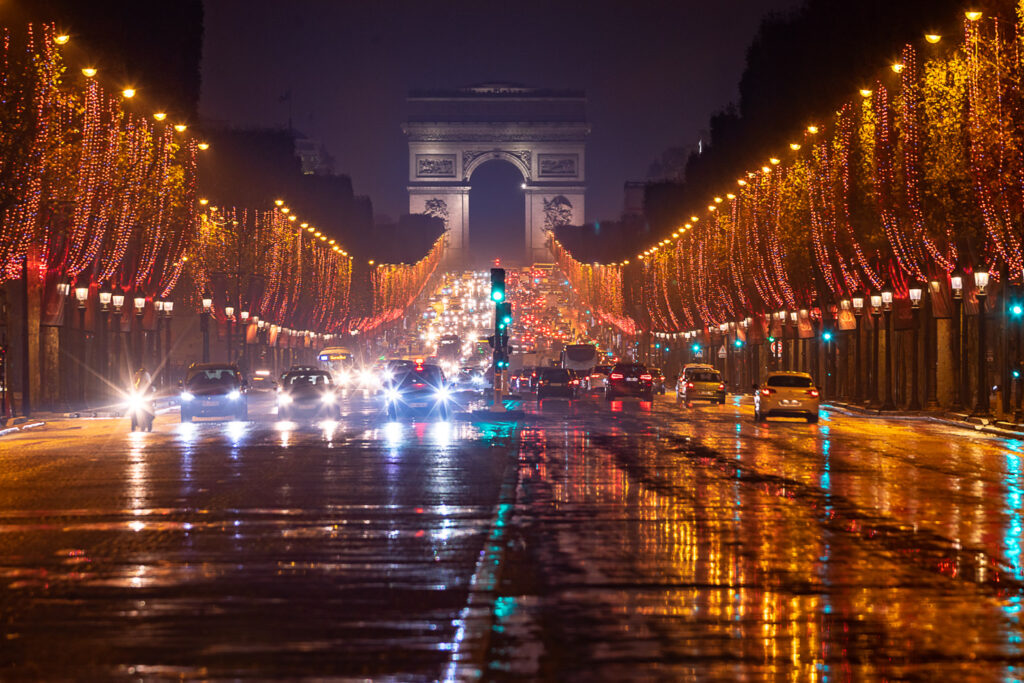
(786,394)
(214,390)
(629,379)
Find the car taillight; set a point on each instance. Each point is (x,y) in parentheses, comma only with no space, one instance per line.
(689,385)
(616,375)
(575,381)
(813,393)
(645,377)
(721,387)
(767,392)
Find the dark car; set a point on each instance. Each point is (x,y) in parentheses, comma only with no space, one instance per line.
(214,390)
(555,382)
(307,393)
(422,390)
(629,379)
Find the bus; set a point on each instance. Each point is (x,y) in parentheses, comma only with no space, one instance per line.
(581,357)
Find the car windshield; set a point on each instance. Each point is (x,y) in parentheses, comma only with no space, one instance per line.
(316,379)
(555,376)
(602,369)
(655,371)
(214,377)
(703,376)
(629,369)
(795,381)
(427,374)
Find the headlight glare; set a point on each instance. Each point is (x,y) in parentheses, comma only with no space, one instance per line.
(392,396)
(235,395)
(186,396)
(284,399)
(328,398)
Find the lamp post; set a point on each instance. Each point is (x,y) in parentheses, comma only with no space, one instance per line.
(888,403)
(140,306)
(794,345)
(102,333)
(243,327)
(981,404)
(229,312)
(117,299)
(931,360)
(724,329)
(158,314)
(168,309)
(781,359)
(876,313)
(82,297)
(915,305)
(959,349)
(204,324)
(858,366)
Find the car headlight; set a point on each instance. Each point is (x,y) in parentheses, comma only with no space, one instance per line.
(234,395)
(344,378)
(284,399)
(478,380)
(187,396)
(392,395)
(442,394)
(135,401)
(327,398)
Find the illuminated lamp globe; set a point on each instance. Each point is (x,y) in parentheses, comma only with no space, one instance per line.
(932,38)
(180,127)
(89,72)
(160,116)
(62,39)
(128,93)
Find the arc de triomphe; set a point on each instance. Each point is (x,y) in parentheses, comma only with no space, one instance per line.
(540,132)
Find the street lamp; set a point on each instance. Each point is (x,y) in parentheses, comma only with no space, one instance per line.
(140,305)
(243,316)
(105,297)
(158,308)
(915,306)
(959,359)
(204,324)
(888,403)
(229,312)
(981,405)
(858,367)
(876,313)
(82,297)
(794,345)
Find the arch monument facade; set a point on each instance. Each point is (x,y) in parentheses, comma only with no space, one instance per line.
(542,133)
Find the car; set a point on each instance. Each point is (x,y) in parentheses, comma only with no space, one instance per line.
(420,391)
(786,394)
(629,379)
(598,378)
(658,379)
(554,382)
(214,390)
(700,383)
(307,392)
(576,378)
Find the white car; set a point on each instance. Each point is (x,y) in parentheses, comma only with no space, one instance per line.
(786,394)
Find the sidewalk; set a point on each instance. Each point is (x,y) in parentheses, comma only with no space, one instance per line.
(41,417)
(990,425)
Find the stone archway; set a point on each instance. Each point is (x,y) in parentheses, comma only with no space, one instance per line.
(540,132)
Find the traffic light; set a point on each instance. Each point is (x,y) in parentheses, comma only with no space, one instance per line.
(826,335)
(771,338)
(503,316)
(497,285)
(738,343)
(1017,310)
(500,360)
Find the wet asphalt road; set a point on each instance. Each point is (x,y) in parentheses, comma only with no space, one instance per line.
(585,542)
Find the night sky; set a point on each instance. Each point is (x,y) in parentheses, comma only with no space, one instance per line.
(653,73)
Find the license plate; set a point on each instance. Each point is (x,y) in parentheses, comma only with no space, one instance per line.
(558,384)
(790,403)
(631,379)
(418,405)
(209,404)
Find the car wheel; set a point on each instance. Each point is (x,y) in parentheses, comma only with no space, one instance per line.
(185,416)
(721,401)
(445,414)
(242,414)
(282,414)
(134,422)
(758,417)
(392,414)
(813,419)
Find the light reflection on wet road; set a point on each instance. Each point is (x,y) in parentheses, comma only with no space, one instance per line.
(646,541)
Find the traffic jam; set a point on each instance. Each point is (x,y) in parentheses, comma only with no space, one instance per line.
(547,349)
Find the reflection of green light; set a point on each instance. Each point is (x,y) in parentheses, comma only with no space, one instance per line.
(504,607)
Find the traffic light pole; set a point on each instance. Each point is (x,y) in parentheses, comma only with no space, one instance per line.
(500,358)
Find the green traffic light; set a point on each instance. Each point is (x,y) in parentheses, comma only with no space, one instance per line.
(497,295)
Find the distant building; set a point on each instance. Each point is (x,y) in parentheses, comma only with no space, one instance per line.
(313,156)
(633,199)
